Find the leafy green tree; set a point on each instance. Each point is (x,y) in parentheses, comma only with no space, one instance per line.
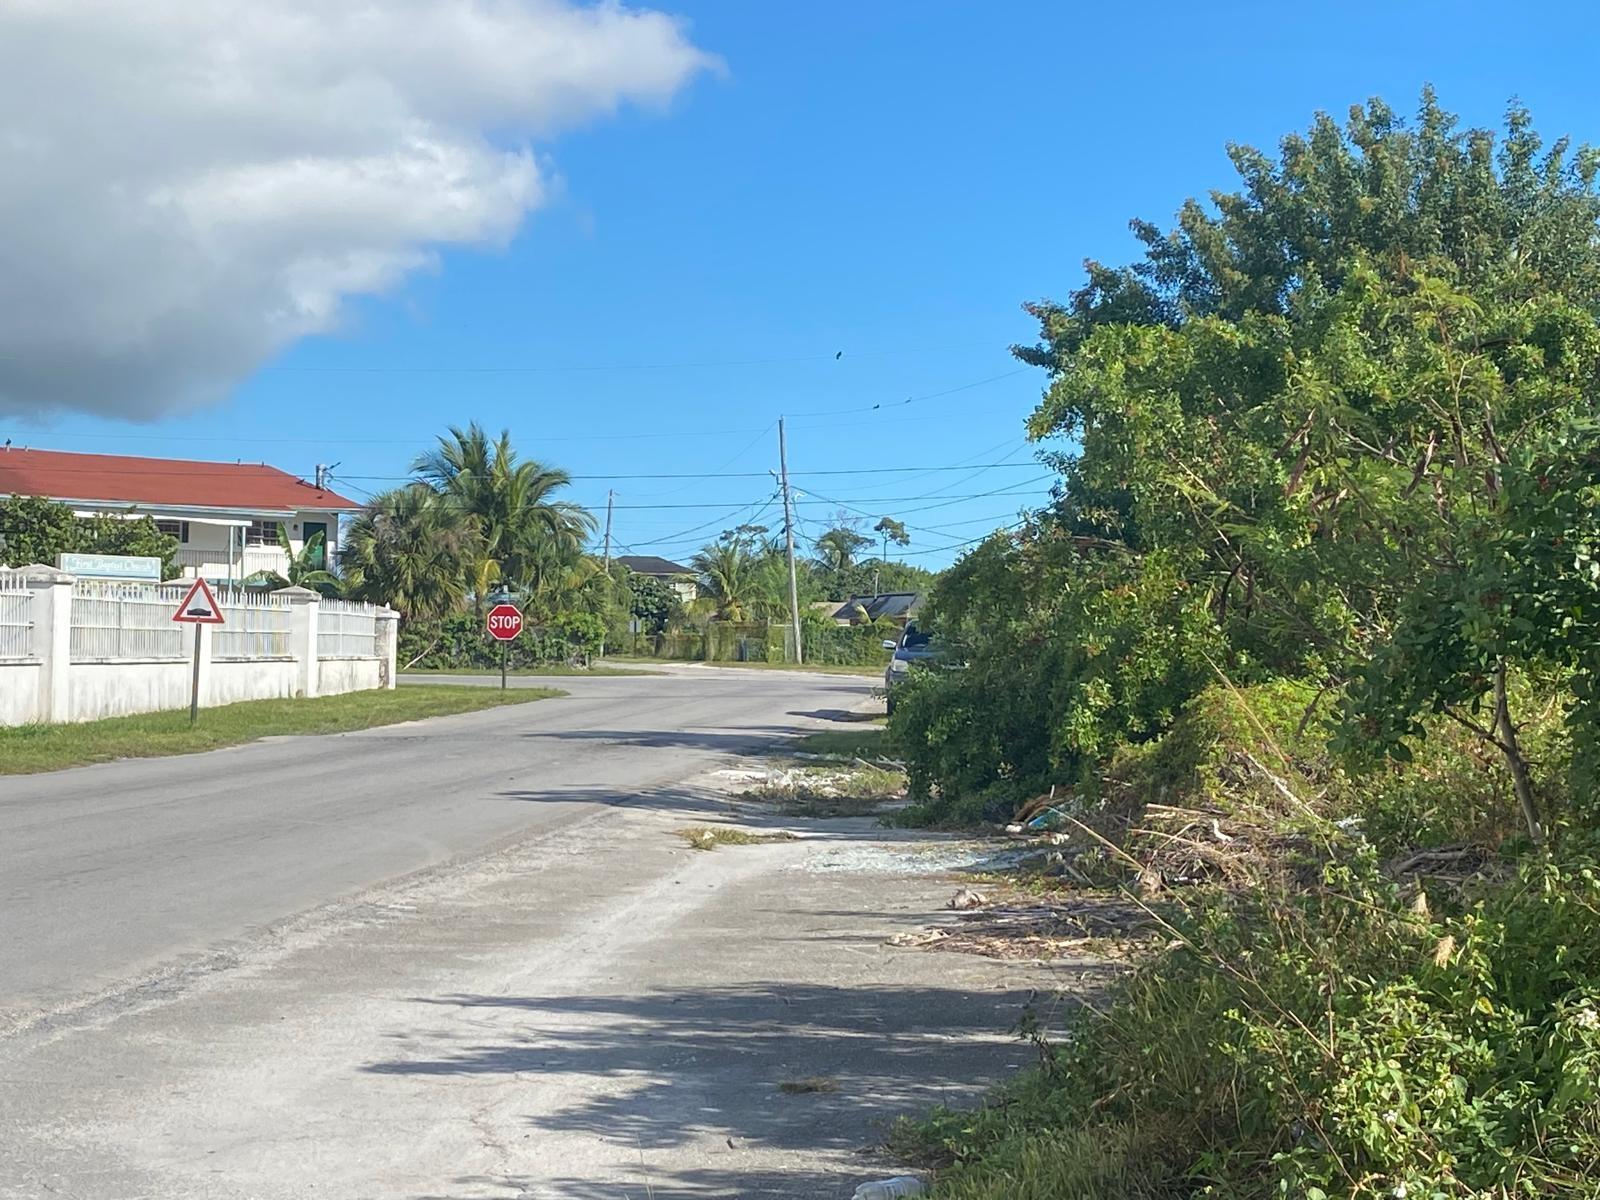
(1521,592)
(652,603)
(1289,437)
(410,548)
(891,530)
(36,530)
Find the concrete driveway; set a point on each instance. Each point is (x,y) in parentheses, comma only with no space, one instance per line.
(467,958)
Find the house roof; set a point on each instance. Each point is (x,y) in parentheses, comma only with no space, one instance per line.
(887,604)
(650,564)
(121,479)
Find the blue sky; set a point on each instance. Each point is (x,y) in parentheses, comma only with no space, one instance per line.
(886,180)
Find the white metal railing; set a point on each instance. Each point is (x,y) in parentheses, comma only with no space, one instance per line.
(347,629)
(240,563)
(253,626)
(16,616)
(116,620)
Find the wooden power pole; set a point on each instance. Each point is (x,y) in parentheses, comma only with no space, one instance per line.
(788,537)
(611,497)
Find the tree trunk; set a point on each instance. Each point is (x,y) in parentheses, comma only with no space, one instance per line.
(1521,780)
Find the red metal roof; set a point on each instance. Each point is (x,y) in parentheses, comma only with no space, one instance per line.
(120,479)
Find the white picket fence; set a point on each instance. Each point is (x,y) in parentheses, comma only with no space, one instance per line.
(114,621)
(346,629)
(16,616)
(255,627)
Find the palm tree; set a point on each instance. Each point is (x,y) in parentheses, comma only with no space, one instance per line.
(305,569)
(729,574)
(524,528)
(410,549)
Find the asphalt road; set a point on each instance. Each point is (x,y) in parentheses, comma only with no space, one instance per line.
(472,959)
(128,875)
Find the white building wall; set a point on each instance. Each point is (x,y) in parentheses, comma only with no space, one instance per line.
(209,552)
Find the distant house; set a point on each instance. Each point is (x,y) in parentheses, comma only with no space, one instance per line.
(898,607)
(225,516)
(675,575)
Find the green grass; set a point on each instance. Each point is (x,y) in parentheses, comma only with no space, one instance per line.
(709,837)
(870,740)
(28,749)
(545,669)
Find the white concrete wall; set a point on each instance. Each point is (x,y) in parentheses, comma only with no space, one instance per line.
(49,686)
(335,676)
(20,699)
(260,679)
(119,689)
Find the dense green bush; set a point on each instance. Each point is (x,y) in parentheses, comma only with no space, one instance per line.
(459,642)
(829,644)
(1339,1042)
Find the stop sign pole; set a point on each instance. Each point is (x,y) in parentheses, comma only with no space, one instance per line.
(504,623)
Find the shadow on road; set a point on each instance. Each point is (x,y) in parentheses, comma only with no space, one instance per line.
(747,739)
(694,1067)
(693,803)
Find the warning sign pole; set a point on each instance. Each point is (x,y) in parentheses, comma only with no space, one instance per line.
(194,687)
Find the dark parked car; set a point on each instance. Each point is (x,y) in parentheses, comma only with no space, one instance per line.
(912,647)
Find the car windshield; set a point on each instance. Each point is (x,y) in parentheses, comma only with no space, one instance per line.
(915,639)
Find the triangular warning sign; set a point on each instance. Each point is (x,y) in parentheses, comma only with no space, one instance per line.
(199,606)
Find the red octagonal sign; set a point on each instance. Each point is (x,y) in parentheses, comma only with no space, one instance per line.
(504,622)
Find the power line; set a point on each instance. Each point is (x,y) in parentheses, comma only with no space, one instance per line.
(725,474)
(969,542)
(743,508)
(820,499)
(965,387)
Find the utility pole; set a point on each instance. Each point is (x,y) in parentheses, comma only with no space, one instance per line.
(788,537)
(322,477)
(611,499)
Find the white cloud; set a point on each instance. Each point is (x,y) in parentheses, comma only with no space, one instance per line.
(188,186)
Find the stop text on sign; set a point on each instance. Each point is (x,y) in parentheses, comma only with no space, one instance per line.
(504,622)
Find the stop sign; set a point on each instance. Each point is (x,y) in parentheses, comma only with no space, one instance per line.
(504,622)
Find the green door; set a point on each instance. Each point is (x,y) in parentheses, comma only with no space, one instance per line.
(319,560)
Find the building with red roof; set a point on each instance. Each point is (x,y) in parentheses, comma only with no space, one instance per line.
(227,517)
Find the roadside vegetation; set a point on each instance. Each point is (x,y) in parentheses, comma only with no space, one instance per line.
(30,748)
(835,773)
(709,837)
(1303,663)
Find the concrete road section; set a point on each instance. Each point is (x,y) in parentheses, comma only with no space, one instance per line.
(113,872)
(585,1009)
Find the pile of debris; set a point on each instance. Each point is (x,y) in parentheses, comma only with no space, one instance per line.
(1039,930)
